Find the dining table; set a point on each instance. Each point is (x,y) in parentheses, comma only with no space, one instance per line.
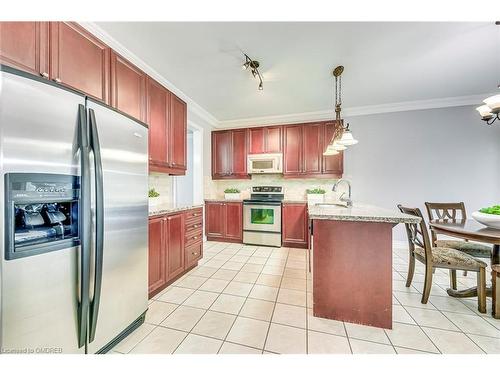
(470,230)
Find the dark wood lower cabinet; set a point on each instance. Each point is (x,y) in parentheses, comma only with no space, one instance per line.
(295,230)
(224,221)
(175,246)
(157,256)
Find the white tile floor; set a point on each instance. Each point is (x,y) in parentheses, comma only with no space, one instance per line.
(247,299)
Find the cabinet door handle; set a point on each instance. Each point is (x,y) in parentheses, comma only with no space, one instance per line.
(194,253)
(195,237)
(195,214)
(45,75)
(58,80)
(195,226)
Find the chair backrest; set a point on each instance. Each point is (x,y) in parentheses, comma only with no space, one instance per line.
(417,233)
(445,211)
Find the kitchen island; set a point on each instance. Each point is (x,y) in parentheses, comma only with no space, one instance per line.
(352,262)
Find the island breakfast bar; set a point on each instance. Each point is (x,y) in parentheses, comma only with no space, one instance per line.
(352,262)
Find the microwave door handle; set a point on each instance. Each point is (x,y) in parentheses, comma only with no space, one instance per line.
(85,234)
(99,217)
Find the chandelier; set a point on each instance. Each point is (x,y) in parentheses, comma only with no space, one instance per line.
(342,136)
(490,111)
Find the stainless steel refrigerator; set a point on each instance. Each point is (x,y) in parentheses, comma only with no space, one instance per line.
(73,219)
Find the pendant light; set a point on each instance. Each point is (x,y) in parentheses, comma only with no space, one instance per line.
(342,136)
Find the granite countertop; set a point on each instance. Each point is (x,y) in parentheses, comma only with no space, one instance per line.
(360,212)
(168,209)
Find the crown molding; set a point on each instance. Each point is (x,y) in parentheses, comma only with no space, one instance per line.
(355,111)
(193,107)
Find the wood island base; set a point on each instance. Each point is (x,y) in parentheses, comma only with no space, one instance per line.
(352,271)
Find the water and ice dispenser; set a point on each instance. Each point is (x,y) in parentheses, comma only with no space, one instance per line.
(41,213)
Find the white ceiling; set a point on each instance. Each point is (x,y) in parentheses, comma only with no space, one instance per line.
(384,62)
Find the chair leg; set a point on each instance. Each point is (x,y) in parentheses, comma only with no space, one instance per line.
(411,271)
(496,294)
(481,290)
(427,284)
(453,279)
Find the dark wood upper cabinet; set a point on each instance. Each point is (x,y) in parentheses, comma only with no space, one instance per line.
(239,152)
(265,140)
(25,46)
(292,158)
(157,258)
(256,143)
(214,219)
(295,228)
(178,133)
(79,60)
(333,165)
(274,139)
(158,105)
(175,245)
(234,221)
(312,148)
(221,150)
(128,87)
(229,154)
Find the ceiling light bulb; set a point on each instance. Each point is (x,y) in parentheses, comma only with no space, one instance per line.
(485,112)
(244,66)
(261,87)
(347,139)
(493,102)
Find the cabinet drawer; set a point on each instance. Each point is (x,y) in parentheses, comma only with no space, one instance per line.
(194,236)
(194,215)
(194,224)
(193,253)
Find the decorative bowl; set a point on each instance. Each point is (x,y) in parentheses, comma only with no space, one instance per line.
(492,221)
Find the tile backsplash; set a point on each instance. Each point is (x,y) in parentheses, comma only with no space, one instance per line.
(163,185)
(295,189)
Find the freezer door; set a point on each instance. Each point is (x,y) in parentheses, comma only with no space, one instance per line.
(39,293)
(124,156)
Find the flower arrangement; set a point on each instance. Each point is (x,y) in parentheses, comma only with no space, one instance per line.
(232,193)
(316,195)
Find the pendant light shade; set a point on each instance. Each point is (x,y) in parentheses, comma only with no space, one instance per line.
(347,139)
(330,150)
(485,112)
(493,103)
(338,147)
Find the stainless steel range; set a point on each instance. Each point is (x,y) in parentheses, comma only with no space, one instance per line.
(262,216)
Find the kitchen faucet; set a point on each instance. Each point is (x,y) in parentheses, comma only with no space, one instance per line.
(348,200)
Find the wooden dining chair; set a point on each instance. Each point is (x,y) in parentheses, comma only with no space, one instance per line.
(434,257)
(454,211)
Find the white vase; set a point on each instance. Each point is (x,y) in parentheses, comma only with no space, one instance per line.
(153,203)
(315,198)
(232,196)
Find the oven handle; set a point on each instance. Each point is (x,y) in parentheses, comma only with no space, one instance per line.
(262,203)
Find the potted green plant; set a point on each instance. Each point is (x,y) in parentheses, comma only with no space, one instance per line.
(232,193)
(316,195)
(154,199)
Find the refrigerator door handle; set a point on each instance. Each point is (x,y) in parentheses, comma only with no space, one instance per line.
(85,219)
(99,217)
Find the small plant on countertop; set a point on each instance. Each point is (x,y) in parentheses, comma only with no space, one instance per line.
(232,191)
(316,191)
(152,193)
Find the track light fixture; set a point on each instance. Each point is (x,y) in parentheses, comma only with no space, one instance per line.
(253,65)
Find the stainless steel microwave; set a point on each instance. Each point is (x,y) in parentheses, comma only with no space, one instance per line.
(265,163)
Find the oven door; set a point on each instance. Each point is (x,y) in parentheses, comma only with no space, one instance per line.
(264,217)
